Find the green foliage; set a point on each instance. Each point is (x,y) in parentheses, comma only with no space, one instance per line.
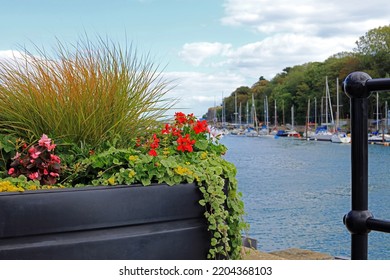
(22,183)
(8,146)
(86,94)
(181,152)
(374,47)
(208,170)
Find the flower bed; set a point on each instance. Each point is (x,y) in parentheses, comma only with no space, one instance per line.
(182,152)
(92,117)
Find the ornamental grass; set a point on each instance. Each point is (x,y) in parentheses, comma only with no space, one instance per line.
(87,93)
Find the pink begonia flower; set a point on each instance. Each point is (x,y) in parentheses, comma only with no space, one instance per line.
(33,176)
(45,172)
(55,158)
(17,155)
(11,171)
(46,142)
(51,147)
(53,174)
(35,155)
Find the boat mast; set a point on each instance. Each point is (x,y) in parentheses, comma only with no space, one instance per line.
(223,112)
(315,112)
(377,111)
(247,113)
(215,120)
(307,118)
(267,116)
(387,117)
(265,109)
(239,114)
(292,117)
(322,111)
(328,101)
(235,108)
(254,114)
(276,116)
(338,106)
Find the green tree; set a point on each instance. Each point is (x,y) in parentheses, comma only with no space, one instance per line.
(374,46)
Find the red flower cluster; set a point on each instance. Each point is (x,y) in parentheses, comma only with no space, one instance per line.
(180,133)
(185,144)
(180,118)
(201,126)
(154,145)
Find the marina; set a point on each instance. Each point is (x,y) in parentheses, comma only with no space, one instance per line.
(297,192)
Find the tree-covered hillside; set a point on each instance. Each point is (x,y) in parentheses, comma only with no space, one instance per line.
(295,85)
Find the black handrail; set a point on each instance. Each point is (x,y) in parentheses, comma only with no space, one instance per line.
(359,221)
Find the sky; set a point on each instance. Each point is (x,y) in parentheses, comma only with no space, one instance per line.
(207,48)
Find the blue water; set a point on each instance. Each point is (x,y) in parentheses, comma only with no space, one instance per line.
(297,192)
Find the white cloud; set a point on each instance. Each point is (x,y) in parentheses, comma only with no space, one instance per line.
(316,18)
(290,33)
(271,55)
(198,91)
(196,53)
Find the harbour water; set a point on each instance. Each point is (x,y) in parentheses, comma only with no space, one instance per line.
(297,192)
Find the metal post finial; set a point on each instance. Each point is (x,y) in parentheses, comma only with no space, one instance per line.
(354,85)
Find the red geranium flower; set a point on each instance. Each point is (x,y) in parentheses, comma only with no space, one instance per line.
(180,117)
(154,144)
(201,126)
(166,129)
(185,144)
(176,132)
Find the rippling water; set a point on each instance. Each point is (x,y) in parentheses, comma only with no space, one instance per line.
(297,192)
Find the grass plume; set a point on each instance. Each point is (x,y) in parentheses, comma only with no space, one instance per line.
(88,93)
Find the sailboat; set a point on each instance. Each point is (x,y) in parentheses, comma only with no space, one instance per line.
(339,136)
(308,131)
(275,128)
(289,132)
(264,131)
(292,132)
(377,136)
(322,133)
(253,132)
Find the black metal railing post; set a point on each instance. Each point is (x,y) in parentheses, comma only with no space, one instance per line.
(359,221)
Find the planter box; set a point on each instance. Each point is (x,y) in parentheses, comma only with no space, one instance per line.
(121,222)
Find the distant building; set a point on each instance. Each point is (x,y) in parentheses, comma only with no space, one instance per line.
(214,114)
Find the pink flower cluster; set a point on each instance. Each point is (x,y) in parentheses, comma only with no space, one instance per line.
(37,162)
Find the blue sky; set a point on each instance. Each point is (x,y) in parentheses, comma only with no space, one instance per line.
(209,47)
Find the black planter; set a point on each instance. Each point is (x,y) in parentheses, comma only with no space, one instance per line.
(122,222)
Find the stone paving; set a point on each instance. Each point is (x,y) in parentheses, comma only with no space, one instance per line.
(288,254)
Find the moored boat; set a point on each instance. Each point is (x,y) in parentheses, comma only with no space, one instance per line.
(379,137)
(321,134)
(341,137)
